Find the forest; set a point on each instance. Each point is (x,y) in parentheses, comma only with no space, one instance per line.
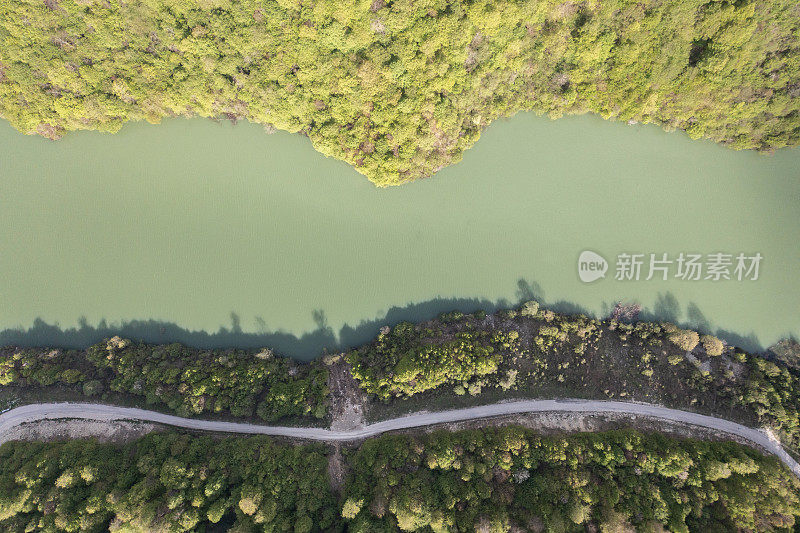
(165,482)
(492,480)
(461,359)
(186,381)
(400,89)
(510,479)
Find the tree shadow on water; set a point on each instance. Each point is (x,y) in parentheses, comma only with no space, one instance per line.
(667,309)
(323,338)
(304,347)
(307,346)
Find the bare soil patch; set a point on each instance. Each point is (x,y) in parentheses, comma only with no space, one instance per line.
(346,399)
(53,430)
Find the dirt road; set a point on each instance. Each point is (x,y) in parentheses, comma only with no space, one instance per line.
(33,413)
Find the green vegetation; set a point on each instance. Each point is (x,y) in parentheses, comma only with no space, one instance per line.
(712,345)
(455,360)
(400,89)
(189,382)
(535,352)
(684,339)
(406,360)
(513,480)
(787,352)
(166,482)
(493,480)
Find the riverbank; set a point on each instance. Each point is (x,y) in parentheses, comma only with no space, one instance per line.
(455,361)
(254,385)
(407,117)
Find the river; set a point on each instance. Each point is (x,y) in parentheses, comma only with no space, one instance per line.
(171,232)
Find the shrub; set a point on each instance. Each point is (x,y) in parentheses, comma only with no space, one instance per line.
(712,345)
(675,359)
(7,373)
(409,362)
(529,309)
(351,507)
(92,388)
(510,379)
(684,339)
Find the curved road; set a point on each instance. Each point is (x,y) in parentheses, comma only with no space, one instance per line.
(109,413)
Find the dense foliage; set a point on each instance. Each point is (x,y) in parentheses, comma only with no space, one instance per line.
(513,480)
(407,360)
(540,353)
(166,482)
(396,88)
(188,381)
(492,480)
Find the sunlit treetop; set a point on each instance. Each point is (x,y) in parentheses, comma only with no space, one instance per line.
(400,89)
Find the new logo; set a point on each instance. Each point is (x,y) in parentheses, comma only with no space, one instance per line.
(591,266)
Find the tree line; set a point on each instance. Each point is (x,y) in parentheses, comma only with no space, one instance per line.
(187,381)
(511,479)
(165,482)
(401,89)
(491,480)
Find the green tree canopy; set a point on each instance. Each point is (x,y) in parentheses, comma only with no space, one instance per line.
(400,89)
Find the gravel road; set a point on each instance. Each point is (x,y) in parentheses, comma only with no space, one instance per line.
(108,413)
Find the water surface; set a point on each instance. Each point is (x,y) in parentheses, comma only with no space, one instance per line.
(195,225)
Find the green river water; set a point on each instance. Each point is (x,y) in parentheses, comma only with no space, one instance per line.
(172,232)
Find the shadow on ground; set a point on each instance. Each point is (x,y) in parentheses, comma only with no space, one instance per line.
(324,339)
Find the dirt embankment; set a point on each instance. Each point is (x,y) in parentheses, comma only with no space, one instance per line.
(346,411)
(52,430)
(346,399)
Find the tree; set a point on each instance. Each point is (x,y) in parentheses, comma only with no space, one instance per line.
(684,339)
(712,345)
(399,90)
